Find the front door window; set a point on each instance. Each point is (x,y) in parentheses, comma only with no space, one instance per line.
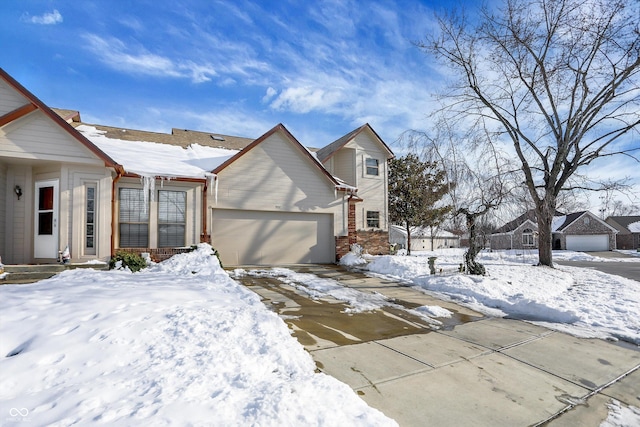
(45,210)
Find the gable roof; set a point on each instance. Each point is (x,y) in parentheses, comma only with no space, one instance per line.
(282,129)
(327,152)
(34,103)
(512,225)
(624,223)
(530,216)
(573,217)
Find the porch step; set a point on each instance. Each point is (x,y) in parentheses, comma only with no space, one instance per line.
(22,274)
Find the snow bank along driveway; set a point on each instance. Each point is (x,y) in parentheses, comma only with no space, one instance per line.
(582,302)
(178,343)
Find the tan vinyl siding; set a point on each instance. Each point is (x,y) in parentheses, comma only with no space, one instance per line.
(276,176)
(372,188)
(343,162)
(79,178)
(3,205)
(18,232)
(9,98)
(34,136)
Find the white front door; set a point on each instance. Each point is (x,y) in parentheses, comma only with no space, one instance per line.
(45,243)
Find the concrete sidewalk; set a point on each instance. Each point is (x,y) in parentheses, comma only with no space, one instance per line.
(480,371)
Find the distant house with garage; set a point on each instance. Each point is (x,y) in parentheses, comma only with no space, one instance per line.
(578,231)
(99,189)
(423,238)
(628,231)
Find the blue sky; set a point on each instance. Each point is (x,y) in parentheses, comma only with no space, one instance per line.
(322,68)
(237,67)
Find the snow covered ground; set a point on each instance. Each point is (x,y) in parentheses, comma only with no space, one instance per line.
(582,302)
(181,343)
(178,343)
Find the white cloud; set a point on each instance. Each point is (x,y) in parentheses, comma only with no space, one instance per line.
(50,18)
(117,55)
(305,99)
(271,92)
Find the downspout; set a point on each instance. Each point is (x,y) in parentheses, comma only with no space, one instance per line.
(119,173)
(203,236)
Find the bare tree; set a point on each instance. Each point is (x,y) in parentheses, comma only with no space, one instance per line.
(481,179)
(559,79)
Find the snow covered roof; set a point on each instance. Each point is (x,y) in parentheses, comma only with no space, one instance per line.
(152,159)
(183,153)
(558,221)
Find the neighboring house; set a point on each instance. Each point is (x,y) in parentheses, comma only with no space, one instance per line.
(422,238)
(584,232)
(520,233)
(578,231)
(628,231)
(98,189)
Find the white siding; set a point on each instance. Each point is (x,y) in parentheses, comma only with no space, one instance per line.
(36,137)
(276,176)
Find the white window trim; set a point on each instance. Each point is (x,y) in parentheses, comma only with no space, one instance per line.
(86,250)
(365,167)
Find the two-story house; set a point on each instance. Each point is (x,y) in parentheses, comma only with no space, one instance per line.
(98,189)
(360,158)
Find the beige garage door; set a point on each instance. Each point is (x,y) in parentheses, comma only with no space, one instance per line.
(272,238)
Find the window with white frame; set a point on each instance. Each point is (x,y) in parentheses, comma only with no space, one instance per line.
(527,237)
(373,219)
(171,218)
(133,219)
(372,167)
(90,219)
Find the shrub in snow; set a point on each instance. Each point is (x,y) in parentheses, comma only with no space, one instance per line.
(132,261)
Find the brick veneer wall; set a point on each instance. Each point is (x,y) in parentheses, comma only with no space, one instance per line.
(374,242)
(628,241)
(342,246)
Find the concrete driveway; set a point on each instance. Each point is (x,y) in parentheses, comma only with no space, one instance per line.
(470,370)
(629,269)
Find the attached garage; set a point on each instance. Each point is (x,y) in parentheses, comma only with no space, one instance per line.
(588,243)
(273,238)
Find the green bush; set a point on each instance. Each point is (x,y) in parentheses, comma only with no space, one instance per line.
(133,261)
